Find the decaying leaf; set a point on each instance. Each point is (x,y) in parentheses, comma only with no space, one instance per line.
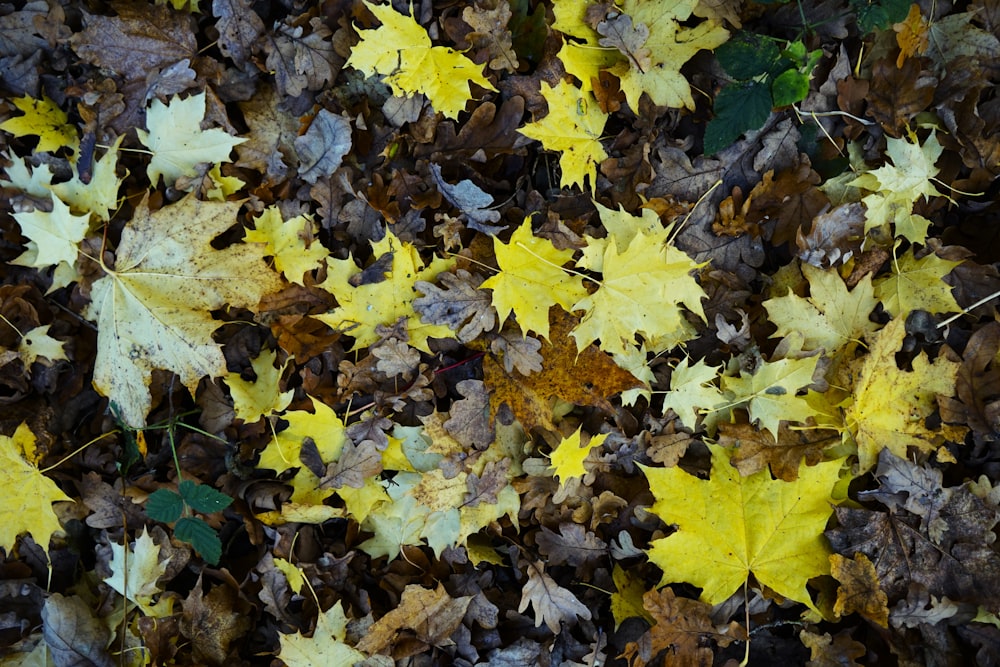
(553,604)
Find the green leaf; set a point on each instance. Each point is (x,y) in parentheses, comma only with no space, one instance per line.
(747,55)
(199,535)
(164,505)
(879,14)
(738,109)
(789,87)
(203,498)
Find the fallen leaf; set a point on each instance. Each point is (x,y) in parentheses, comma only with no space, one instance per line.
(553,604)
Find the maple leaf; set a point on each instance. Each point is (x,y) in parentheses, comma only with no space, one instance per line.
(28,494)
(887,407)
(134,574)
(325,647)
(669,46)
(567,458)
(37,344)
(45,120)
(770,391)
(530,280)
(730,526)
(859,590)
(364,306)
(917,284)
(411,65)
(691,388)
(642,288)
(154,309)
(285,240)
(574,126)
(253,400)
(830,317)
(54,235)
(177,141)
(99,195)
(897,186)
(626,601)
(553,604)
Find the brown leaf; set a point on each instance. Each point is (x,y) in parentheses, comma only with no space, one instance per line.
(485,489)
(469,422)
(212,622)
(587,378)
(553,604)
(301,60)
(898,94)
(461,306)
(490,33)
(517,352)
(488,132)
(835,236)
(618,32)
(427,616)
(977,385)
(859,589)
(756,449)
(357,463)
(74,636)
(239,27)
(827,651)
(683,629)
(324,145)
(573,545)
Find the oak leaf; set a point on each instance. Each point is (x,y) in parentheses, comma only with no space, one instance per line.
(460,305)
(411,65)
(731,526)
(755,449)
(429,616)
(29,494)
(553,604)
(153,311)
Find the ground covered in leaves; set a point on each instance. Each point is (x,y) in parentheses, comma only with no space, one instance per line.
(499,332)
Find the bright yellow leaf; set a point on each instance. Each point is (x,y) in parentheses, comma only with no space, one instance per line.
(888,406)
(669,46)
(626,601)
(530,280)
(153,311)
(729,527)
(42,118)
(286,242)
(177,141)
(568,457)
(401,51)
(574,125)
(386,298)
(27,493)
(917,284)
(260,398)
(643,287)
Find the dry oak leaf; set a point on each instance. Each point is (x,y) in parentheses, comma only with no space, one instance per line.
(177,141)
(365,305)
(754,450)
(888,406)
(831,316)
(28,494)
(490,32)
(682,627)
(424,615)
(530,280)
(574,125)
(669,46)
(587,377)
(729,527)
(325,647)
(553,604)
(460,306)
(827,651)
(301,60)
(859,589)
(401,51)
(153,311)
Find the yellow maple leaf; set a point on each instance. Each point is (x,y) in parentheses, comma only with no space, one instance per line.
(830,317)
(574,126)
(27,493)
(286,242)
(99,195)
(44,119)
(895,187)
(641,291)
(135,571)
(888,406)
(385,301)
(54,235)
(177,141)
(626,601)
(568,457)
(530,280)
(917,284)
(401,51)
(38,345)
(253,400)
(325,647)
(729,527)
(153,311)
(770,392)
(669,46)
